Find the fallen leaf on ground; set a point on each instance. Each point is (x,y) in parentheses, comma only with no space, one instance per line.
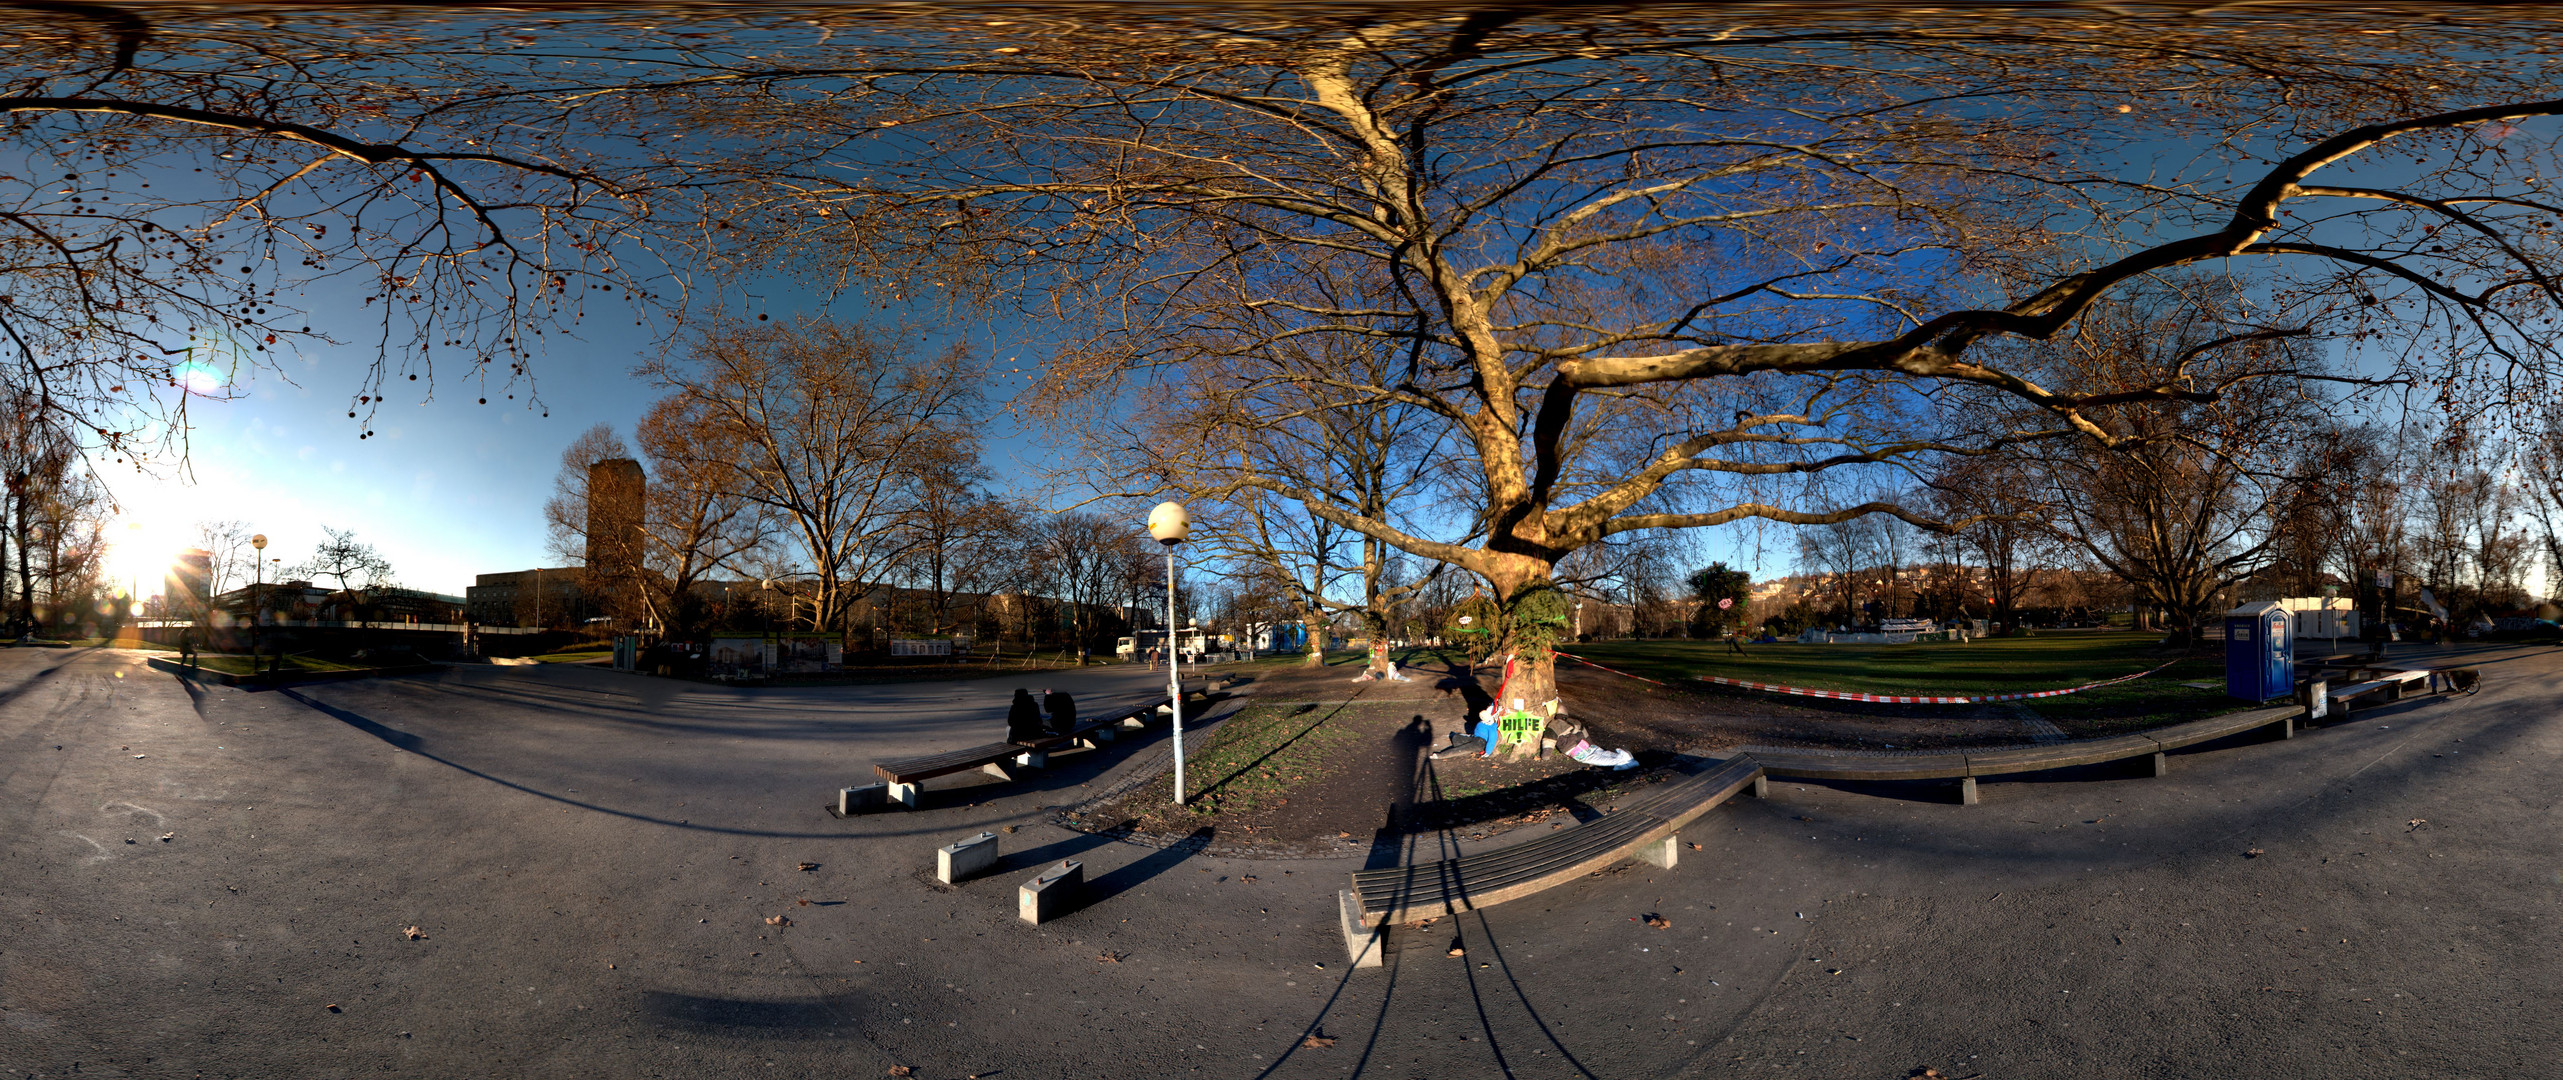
(900,1070)
(1010,830)
(167,837)
(1457,951)
(1318,1041)
(809,866)
(2254,853)
(805,902)
(777,920)
(332,1008)
(413,933)
(2419,821)
(1110,957)
(1340,836)
(1659,922)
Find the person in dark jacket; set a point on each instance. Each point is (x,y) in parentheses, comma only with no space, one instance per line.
(1063,711)
(1023,719)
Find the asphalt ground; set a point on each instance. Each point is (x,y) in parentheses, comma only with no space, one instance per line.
(592,861)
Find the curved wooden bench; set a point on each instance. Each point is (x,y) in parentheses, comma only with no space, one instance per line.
(1645,827)
(905,777)
(1966,765)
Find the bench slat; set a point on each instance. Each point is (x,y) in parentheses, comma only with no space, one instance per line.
(927,767)
(911,770)
(1589,838)
(2061,755)
(1489,878)
(2217,727)
(1453,885)
(1924,767)
(1678,801)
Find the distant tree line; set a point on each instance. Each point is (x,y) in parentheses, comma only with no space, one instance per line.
(835,472)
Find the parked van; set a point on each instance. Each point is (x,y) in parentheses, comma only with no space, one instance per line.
(1189,640)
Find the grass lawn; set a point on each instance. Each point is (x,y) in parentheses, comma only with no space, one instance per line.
(1258,758)
(575,656)
(2051,661)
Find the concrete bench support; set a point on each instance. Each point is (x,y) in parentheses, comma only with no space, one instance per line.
(965,859)
(1966,791)
(1662,853)
(855,800)
(1033,759)
(1363,943)
(907,795)
(998,769)
(1761,787)
(1049,894)
(2162,764)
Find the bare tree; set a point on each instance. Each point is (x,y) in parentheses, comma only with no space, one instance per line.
(230,558)
(2178,499)
(1089,564)
(2543,467)
(1644,277)
(191,179)
(830,423)
(353,562)
(2004,501)
(957,534)
(2471,547)
(694,520)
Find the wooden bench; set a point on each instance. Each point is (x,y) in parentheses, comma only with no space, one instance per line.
(1645,827)
(1965,766)
(2383,684)
(906,777)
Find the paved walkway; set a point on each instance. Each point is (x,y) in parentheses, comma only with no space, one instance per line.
(593,859)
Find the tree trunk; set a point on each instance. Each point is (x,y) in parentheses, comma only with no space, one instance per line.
(1313,621)
(26,573)
(1534,619)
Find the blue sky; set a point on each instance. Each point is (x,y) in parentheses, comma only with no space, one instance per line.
(446,489)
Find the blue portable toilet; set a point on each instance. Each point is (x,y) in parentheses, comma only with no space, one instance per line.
(2259,662)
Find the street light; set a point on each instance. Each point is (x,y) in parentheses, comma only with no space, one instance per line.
(1171,526)
(257,578)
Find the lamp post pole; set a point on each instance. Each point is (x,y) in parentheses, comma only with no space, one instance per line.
(258,581)
(1170,525)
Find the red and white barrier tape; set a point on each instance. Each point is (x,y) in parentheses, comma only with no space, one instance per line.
(1906,699)
(1612,670)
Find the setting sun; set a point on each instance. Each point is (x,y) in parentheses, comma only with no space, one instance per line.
(140,551)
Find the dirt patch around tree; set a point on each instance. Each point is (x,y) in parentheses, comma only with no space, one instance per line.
(1624,711)
(1319,764)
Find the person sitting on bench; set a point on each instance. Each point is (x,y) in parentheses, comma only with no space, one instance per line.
(1023,720)
(1063,711)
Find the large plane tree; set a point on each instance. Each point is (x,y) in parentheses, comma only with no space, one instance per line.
(1678,272)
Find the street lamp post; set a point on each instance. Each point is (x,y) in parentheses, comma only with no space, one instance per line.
(257,578)
(1170,525)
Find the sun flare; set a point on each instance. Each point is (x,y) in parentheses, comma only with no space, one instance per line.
(140,550)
